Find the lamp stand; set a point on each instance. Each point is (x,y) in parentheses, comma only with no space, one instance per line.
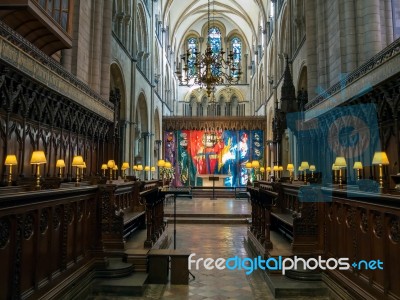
(305,177)
(104,173)
(291,176)
(312,174)
(10,176)
(358,174)
(111,174)
(340,179)
(380,178)
(38,176)
(77,176)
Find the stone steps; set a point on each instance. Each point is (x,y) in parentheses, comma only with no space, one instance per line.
(208,218)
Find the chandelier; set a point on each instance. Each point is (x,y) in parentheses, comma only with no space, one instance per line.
(210,68)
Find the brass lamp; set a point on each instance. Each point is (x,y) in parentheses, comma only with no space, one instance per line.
(161,169)
(11,160)
(305,166)
(124,167)
(334,169)
(152,169)
(380,158)
(300,169)
(312,169)
(104,168)
(139,168)
(147,171)
(280,170)
(134,169)
(77,161)
(115,169)
(38,158)
(83,166)
(340,162)
(290,168)
(111,165)
(255,164)
(248,167)
(358,166)
(262,170)
(60,164)
(268,171)
(276,169)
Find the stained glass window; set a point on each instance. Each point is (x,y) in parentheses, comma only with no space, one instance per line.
(237,55)
(214,38)
(192,46)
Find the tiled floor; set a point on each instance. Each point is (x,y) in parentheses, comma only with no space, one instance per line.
(209,241)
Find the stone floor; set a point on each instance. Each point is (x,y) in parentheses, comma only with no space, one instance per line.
(210,241)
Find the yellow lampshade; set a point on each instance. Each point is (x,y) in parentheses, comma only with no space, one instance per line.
(380,158)
(262,169)
(82,166)
(161,163)
(300,168)
(11,160)
(275,168)
(60,163)
(168,165)
(312,168)
(248,165)
(280,168)
(304,165)
(255,164)
(135,167)
(77,161)
(140,167)
(340,162)
(290,167)
(38,158)
(147,168)
(268,169)
(334,167)
(104,167)
(111,164)
(115,168)
(125,165)
(358,165)
(153,169)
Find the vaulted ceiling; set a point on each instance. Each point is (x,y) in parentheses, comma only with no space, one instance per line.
(184,16)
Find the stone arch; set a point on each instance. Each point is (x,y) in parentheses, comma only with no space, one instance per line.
(142,130)
(117,81)
(302,81)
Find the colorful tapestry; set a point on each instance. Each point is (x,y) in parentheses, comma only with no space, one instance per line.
(199,152)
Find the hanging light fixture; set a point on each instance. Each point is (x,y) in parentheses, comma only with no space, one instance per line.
(210,68)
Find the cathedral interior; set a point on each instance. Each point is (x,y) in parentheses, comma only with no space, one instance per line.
(165,149)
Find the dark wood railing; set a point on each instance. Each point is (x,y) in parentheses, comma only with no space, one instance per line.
(45,236)
(333,223)
(57,236)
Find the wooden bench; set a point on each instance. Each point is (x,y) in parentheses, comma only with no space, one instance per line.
(283,223)
(133,221)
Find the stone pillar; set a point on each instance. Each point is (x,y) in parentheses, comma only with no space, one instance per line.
(372,43)
(95,61)
(348,31)
(106,50)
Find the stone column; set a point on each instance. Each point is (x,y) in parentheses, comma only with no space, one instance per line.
(96,36)
(349,33)
(372,43)
(106,50)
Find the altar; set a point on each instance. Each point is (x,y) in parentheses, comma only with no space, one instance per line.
(210,180)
